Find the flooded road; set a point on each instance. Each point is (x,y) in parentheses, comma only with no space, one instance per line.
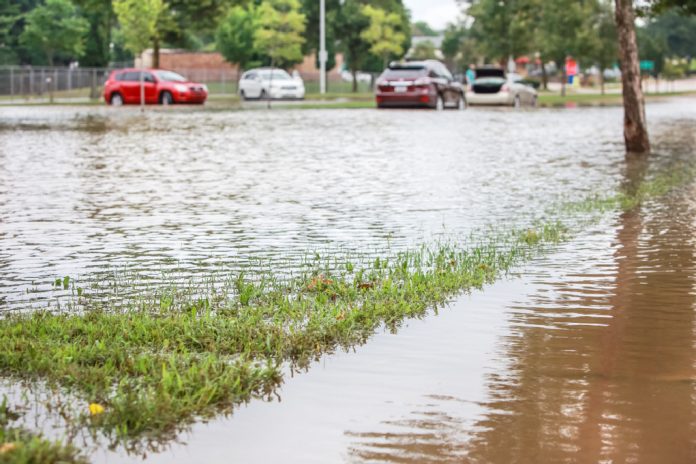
(586,354)
(87,191)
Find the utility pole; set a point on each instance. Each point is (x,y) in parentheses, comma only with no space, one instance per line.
(322,46)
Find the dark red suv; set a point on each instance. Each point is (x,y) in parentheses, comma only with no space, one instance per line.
(419,83)
(165,87)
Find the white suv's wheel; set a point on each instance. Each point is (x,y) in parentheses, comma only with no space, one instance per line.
(116,100)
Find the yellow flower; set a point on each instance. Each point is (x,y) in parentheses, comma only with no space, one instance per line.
(7,447)
(95,409)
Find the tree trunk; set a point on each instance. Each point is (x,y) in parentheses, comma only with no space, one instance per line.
(635,124)
(155,52)
(354,72)
(564,80)
(544,76)
(601,79)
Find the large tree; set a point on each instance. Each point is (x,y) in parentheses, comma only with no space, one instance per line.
(54,30)
(100,15)
(635,123)
(279,31)
(9,14)
(138,19)
(503,28)
(382,33)
(235,36)
(349,24)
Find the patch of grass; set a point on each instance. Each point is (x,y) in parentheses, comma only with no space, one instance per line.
(168,357)
(630,197)
(164,356)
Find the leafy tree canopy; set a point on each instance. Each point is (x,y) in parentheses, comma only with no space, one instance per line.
(55,31)
(138,20)
(235,36)
(279,31)
(382,33)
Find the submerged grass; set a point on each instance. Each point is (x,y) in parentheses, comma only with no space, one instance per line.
(19,446)
(159,361)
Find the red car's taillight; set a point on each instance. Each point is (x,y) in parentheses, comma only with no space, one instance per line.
(505,88)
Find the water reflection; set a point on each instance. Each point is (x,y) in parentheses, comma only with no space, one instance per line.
(597,364)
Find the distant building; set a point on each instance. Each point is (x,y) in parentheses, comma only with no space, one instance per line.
(212,64)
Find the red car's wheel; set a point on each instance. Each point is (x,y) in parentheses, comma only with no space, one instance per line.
(116,99)
(166,98)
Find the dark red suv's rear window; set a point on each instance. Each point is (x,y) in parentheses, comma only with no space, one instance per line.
(405,73)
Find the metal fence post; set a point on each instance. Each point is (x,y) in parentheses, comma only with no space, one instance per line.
(93,91)
(12,82)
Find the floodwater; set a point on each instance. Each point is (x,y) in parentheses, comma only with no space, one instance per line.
(585,354)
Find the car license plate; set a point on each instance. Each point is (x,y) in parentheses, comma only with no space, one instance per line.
(400,88)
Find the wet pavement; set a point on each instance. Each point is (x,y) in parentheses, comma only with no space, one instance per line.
(586,354)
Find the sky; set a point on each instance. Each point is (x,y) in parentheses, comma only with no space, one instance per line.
(437,13)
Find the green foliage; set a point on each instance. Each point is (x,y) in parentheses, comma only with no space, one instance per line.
(99,14)
(235,36)
(9,14)
(382,33)
(676,31)
(459,47)
(349,24)
(279,31)
(310,8)
(55,30)
(652,47)
(683,6)
(424,51)
(504,28)
(138,20)
(675,68)
(423,28)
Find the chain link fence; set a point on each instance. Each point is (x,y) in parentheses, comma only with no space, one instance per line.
(71,84)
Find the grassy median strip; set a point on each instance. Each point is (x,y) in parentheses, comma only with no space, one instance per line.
(159,361)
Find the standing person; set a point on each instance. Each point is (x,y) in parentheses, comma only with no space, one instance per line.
(470,75)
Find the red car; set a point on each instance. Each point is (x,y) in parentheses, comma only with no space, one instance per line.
(164,87)
(419,83)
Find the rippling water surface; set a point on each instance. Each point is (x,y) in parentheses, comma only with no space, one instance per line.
(84,191)
(587,355)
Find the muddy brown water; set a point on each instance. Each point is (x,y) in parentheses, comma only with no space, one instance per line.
(585,354)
